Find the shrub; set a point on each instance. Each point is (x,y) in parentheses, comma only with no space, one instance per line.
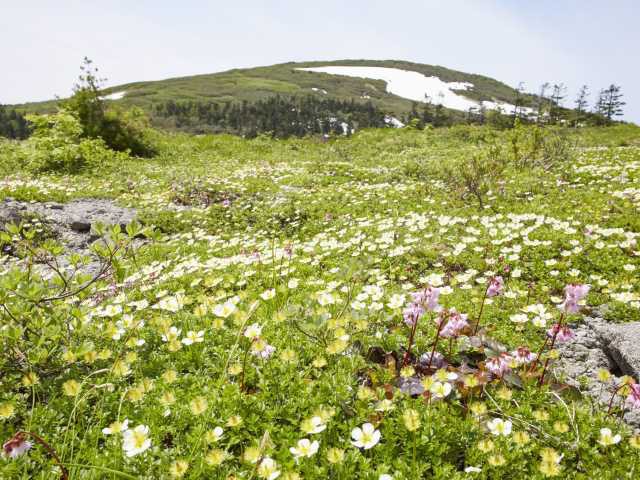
(123,131)
(57,145)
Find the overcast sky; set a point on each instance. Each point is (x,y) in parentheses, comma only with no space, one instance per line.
(596,42)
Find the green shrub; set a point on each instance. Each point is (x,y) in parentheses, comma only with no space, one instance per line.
(57,145)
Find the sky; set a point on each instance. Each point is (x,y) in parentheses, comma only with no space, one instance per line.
(577,42)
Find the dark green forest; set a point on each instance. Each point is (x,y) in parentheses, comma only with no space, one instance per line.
(13,124)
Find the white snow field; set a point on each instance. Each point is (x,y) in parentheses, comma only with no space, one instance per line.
(114,96)
(416,86)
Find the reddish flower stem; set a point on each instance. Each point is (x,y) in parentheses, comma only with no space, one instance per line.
(64,473)
(484,299)
(553,342)
(615,392)
(443,320)
(407,354)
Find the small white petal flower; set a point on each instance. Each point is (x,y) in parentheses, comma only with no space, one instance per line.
(366,437)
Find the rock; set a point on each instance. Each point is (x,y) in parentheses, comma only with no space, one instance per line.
(80,226)
(601,345)
(622,344)
(70,223)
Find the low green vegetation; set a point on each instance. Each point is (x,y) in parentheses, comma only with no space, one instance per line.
(385,305)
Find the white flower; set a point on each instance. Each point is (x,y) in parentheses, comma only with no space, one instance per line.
(440,389)
(136,441)
(217,433)
(385,476)
(313,425)
(325,298)
(396,301)
(472,470)
(293,283)
(607,438)
(519,318)
(116,427)
(497,426)
(268,294)
(253,331)
(172,334)
(305,448)
(171,304)
(268,469)
(365,437)
(224,309)
(193,337)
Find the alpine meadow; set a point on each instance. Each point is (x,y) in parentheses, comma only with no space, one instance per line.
(346,269)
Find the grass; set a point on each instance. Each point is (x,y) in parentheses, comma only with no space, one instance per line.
(258,83)
(315,247)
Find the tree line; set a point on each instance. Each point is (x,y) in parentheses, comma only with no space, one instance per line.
(13,124)
(280,116)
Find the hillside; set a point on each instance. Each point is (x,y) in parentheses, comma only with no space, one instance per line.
(289,80)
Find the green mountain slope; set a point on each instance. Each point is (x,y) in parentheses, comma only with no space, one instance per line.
(253,84)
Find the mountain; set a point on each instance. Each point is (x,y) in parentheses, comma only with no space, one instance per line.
(375,89)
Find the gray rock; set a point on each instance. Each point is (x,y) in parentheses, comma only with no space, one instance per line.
(601,345)
(71,223)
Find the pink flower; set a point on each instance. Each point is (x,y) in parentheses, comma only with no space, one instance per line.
(16,446)
(562,333)
(633,400)
(523,355)
(428,298)
(496,286)
(572,295)
(412,313)
(453,328)
(499,365)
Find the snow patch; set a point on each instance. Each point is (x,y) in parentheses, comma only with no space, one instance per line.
(393,121)
(114,96)
(321,90)
(418,87)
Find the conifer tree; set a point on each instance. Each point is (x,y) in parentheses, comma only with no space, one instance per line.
(610,102)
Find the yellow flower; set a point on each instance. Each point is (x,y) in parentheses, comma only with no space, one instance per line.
(216,457)
(288,356)
(291,476)
(6,410)
(30,379)
(485,446)
(540,415)
(604,375)
(178,468)
(496,460)
(170,376)
(550,462)
(120,368)
(235,369)
(521,438)
(407,371)
(505,394)
(135,394)
(234,421)
(69,356)
(71,388)
(478,409)
(337,346)
(411,419)
(470,381)
(561,427)
(634,441)
(90,357)
(365,394)
(319,362)
(167,398)
(335,455)
(251,455)
(198,405)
